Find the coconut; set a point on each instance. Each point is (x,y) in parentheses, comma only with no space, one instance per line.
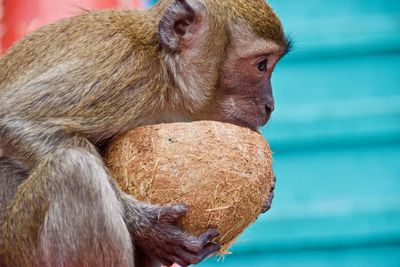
(222,172)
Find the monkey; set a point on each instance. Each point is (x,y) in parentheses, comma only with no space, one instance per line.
(69,88)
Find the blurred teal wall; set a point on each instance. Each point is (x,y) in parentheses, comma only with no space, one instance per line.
(336,138)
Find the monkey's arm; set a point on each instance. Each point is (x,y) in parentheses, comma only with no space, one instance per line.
(70,207)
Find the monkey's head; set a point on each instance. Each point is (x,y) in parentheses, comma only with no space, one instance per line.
(221,55)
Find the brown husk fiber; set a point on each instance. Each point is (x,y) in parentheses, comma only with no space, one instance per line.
(221,171)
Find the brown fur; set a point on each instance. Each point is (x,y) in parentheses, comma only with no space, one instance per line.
(69,87)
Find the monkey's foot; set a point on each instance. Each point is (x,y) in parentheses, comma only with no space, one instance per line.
(167,242)
(268,202)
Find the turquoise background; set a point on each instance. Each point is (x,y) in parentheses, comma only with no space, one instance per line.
(336,141)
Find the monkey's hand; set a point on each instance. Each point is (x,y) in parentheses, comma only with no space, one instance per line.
(268,202)
(157,233)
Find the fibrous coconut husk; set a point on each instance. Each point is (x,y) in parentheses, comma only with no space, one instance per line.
(221,171)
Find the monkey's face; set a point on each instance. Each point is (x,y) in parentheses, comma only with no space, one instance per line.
(225,75)
(244,91)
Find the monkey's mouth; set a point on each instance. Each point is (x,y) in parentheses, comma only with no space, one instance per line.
(244,123)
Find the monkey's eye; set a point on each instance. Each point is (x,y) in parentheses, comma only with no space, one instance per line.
(262,66)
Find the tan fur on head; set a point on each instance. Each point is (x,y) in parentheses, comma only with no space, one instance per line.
(257,13)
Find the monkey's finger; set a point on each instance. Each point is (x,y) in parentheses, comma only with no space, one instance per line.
(268,203)
(166,262)
(207,236)
(196,244)
(210,249)
(181,262)
(171,213)
(273,183)
(194,258)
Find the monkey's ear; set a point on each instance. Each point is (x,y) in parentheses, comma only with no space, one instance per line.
(179,24)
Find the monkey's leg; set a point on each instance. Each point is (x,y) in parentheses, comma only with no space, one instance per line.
(12,173)
(66,214)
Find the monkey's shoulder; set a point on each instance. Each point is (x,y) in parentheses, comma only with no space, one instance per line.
(91,36)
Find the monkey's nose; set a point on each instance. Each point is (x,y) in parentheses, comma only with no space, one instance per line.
(269,108)
(266,113)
